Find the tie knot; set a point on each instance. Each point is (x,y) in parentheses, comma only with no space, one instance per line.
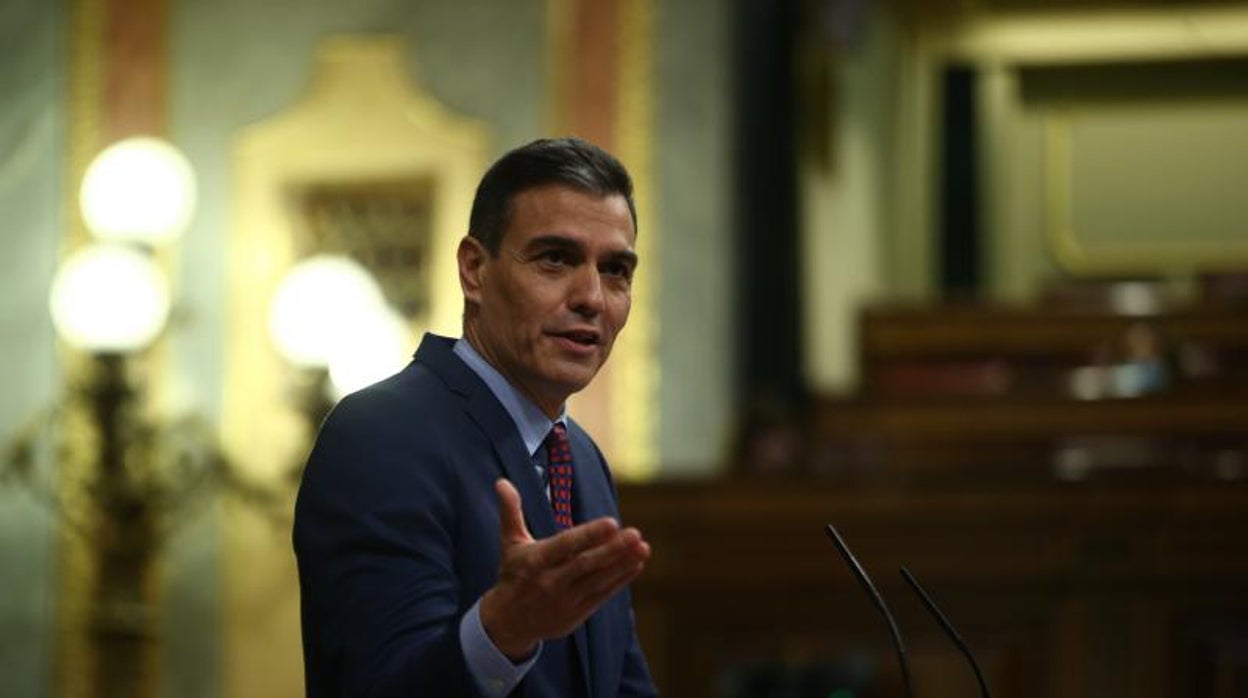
(557,447)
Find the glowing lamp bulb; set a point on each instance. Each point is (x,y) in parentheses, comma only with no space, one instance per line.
(109,298)
(317,306)
(140,190)
(375,348)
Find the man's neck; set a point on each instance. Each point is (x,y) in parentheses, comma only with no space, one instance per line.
(553,412)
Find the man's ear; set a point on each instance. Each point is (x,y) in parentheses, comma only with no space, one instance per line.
(471,256)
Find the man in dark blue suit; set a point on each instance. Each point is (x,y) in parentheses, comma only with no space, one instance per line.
(456,532)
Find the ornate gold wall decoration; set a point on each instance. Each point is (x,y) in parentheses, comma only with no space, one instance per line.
(75,574)
(637,418)
(385,224)
(363,164)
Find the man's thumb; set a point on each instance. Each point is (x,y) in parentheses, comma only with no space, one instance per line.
(510,514)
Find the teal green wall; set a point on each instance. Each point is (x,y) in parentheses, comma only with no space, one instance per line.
(694,178)
(32,69)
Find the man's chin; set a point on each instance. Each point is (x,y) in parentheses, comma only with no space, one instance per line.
(574,377)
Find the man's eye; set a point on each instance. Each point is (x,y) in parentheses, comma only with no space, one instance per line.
(619,269)
(554,258)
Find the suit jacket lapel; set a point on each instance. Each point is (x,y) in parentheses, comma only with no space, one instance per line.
(591,491)
(489,414)
(591,498)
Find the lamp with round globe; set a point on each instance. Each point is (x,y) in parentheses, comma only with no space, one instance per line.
(139,190)
(110,299)
(375,347)
(330,321)
(315,301)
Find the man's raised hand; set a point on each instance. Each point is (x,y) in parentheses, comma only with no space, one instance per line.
(549,587)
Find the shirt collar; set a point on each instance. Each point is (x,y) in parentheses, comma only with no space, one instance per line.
(532,423)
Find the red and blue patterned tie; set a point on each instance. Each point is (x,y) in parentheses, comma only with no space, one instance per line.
(559,469)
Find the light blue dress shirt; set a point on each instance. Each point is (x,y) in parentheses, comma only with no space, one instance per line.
(492,671)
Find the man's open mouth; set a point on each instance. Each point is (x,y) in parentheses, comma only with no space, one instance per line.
(586,338)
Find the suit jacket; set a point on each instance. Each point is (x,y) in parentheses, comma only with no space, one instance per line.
(396,534)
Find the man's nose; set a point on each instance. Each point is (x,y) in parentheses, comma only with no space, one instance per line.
(586,293)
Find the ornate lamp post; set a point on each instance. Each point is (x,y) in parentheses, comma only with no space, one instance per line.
(110,301)
(142,474)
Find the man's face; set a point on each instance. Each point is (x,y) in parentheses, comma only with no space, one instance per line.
(549,306)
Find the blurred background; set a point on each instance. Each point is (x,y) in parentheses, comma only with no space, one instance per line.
(966,278)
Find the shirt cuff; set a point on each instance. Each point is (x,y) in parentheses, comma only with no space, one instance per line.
(491,670)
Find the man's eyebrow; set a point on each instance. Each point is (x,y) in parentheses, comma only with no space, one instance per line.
(628,257)
(559,241)
(566,243)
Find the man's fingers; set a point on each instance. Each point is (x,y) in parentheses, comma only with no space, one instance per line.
(595,591)
(579,597)
(592,577)
(564,546)
(623,550)
(510,514)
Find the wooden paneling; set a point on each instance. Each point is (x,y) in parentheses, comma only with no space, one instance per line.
(1062,591)
(992,394)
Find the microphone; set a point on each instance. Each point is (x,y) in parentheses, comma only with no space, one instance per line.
(948,628)
(878,600)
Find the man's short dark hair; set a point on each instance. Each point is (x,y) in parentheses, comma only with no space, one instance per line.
(571,162)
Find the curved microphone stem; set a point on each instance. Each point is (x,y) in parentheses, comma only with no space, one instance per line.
(874,593)
(948,628)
